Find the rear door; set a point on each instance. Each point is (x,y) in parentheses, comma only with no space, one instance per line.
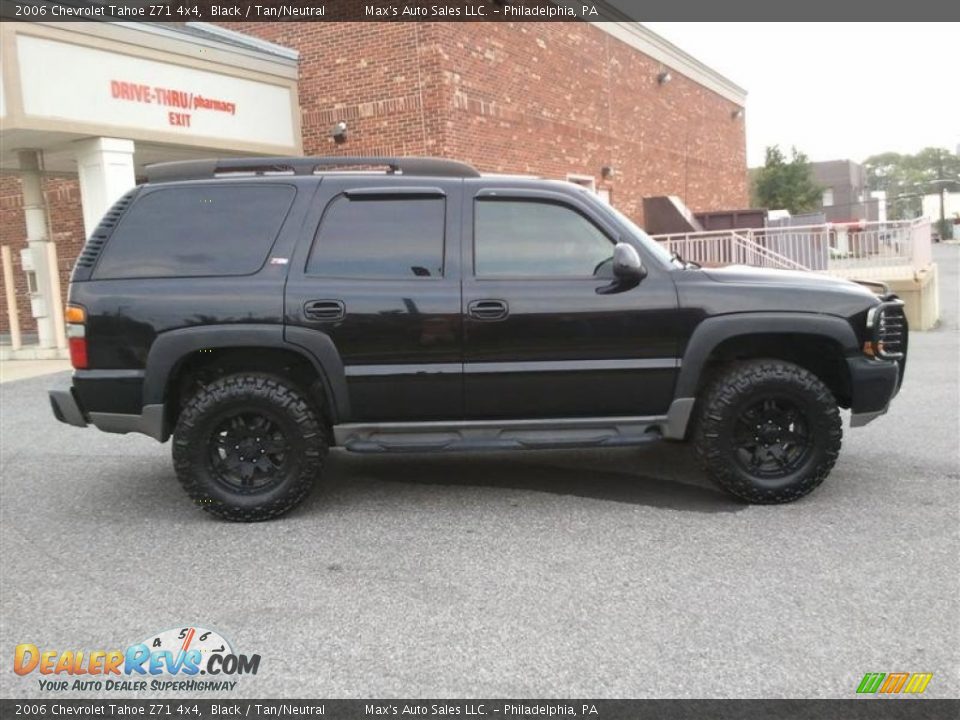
(378,271)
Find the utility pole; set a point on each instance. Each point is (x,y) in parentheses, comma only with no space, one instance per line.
(943,189)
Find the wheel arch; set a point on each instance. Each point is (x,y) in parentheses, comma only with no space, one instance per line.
(819,343)
(175,351)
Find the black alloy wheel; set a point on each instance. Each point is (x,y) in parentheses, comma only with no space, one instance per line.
(772,437)
(248,451)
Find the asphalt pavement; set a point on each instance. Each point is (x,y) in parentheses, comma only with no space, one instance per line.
(535,574)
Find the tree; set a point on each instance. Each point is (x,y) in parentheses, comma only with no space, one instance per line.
(786,184)
(907,178)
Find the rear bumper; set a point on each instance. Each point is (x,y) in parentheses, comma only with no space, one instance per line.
(67,409)
(874,384)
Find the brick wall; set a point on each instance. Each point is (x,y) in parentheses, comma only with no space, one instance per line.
(540,98)
(66,229)
(383,79)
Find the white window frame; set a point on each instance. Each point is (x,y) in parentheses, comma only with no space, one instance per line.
(585,181)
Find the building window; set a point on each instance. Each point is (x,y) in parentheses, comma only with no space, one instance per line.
(827,200)
(380,238)
(521,238)
(586,181)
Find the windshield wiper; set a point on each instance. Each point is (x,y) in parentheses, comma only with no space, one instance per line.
(686,264)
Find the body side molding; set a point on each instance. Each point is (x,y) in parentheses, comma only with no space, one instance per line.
(507,366)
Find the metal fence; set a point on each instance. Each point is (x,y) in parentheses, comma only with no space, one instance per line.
(856,250)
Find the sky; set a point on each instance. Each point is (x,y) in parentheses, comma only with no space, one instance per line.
(836,90)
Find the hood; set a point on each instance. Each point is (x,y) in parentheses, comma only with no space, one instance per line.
(800,279)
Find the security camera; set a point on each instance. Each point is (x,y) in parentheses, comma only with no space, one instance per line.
(339,132)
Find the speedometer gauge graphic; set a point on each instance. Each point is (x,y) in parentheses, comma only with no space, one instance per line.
(182,639)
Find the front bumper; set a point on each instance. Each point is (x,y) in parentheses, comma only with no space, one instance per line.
(874,383)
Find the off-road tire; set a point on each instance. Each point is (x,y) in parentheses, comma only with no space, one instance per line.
(750,381)
(299,420)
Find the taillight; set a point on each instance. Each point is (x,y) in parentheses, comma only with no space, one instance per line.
(78,353)
(76,318)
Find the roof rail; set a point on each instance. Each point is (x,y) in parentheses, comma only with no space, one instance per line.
(213,167)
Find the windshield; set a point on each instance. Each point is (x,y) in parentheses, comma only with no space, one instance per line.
(640,234)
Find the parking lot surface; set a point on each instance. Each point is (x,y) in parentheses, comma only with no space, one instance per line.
(535,574)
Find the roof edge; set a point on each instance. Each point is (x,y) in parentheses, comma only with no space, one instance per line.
(659,48)
(250,41)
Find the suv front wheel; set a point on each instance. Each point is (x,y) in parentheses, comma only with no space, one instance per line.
(768,431)
(248,447)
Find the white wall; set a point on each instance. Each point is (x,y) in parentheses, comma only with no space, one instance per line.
(66,82)
(951,205)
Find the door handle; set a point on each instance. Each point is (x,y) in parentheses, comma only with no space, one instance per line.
(324,310)
(488,309)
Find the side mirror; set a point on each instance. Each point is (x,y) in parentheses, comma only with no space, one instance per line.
(628,269)
(626,263)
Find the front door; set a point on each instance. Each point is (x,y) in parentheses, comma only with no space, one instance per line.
(381,278)
(539,340)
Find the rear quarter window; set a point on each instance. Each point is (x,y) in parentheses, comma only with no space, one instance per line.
(196,230)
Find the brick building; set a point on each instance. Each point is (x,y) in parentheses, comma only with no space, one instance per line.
(609,105)
(551,99)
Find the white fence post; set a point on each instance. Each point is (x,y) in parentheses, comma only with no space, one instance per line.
(13,317)
(920,239)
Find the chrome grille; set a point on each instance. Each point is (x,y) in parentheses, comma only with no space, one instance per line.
(891,331)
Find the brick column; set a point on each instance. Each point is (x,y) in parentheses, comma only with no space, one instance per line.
(45,301)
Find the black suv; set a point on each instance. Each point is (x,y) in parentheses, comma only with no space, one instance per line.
(262,310)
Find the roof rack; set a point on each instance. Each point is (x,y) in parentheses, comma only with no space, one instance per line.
(213,167)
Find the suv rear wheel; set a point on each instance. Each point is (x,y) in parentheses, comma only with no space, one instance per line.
(768,431)
(248,447)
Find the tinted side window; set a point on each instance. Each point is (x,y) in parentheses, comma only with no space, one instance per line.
(521,238)
(380,238)
(197,230)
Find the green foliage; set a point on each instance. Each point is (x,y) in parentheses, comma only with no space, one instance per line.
(907,178)
(786,184)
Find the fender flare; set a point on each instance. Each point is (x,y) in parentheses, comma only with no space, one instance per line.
(715,330)
(171,347)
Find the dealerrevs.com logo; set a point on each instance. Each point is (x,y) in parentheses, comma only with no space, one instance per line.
(172,660)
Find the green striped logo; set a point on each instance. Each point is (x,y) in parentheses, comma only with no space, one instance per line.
(894,683)
(871,682)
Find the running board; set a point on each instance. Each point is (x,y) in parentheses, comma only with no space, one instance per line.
(497,434)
